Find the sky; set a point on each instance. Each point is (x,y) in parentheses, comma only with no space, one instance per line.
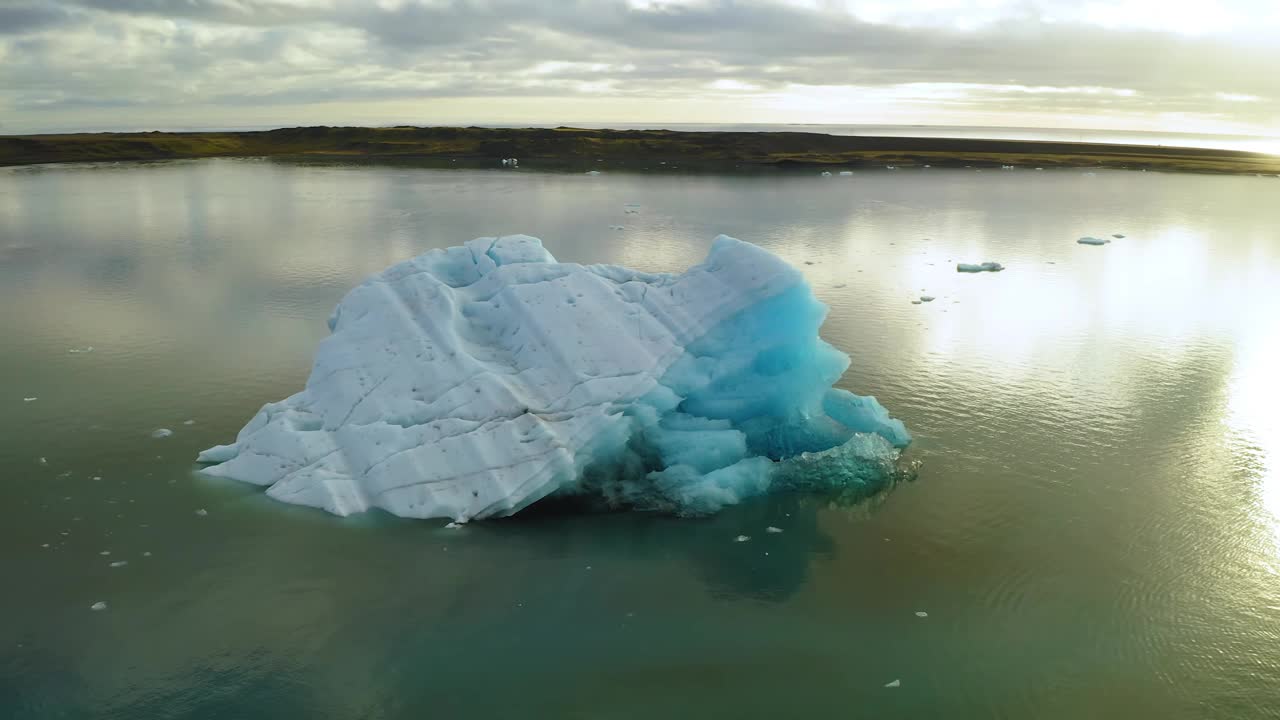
(1196,66)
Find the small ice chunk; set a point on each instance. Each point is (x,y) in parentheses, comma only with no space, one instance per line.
(202,512)
(1117,235)
(840,285)
(983,267)
(161,433)
(921,613)
(894,684)
(593,172)
(927,298)
(452,526)
(742,538)
(45,545)
(27,399)
(105,552)
(146,554)
(75,351)
(846,173)
(1090,240)
(98,606)
(119,563)
(915,302)
(826,173)
(188,422)
(44,461)
(772,529)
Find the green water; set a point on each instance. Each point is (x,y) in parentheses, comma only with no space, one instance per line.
(1093,531)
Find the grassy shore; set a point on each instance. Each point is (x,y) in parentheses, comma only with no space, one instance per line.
(568,148)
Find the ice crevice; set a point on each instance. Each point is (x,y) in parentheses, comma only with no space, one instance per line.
(473,381)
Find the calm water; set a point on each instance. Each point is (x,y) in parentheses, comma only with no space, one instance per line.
(1093,532)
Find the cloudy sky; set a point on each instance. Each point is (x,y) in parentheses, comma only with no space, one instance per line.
(1173,65)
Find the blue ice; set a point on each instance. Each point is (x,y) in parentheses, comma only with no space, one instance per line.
(475,381)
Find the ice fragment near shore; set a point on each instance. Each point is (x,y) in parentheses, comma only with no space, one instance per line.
(983,267)
(474,381)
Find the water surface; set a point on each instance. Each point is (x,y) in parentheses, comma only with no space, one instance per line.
(1093,531)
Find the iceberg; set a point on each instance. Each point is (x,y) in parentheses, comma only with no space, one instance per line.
(472,382)
(981,267)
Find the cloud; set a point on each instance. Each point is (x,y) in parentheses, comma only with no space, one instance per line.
(17,19)
(936,56)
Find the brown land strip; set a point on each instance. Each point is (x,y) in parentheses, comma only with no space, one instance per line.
(650,149)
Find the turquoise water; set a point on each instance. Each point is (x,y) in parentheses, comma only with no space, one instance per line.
(1092,531)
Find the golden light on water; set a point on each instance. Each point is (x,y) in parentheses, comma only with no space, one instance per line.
(1253,409)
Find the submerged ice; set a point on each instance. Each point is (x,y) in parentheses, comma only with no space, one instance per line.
(474,381)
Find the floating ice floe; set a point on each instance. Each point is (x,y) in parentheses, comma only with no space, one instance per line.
(893,684)
(826,173)
(1093,241)
(773,530)
(981,267)
(927,298)
(1117,236)
(472,382)
(593,172)
(161,433)
(30,399)
(98,606)
(846,173)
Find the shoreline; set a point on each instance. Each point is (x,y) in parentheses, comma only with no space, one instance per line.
(655,150)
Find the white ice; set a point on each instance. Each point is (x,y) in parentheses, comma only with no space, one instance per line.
(474,381)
